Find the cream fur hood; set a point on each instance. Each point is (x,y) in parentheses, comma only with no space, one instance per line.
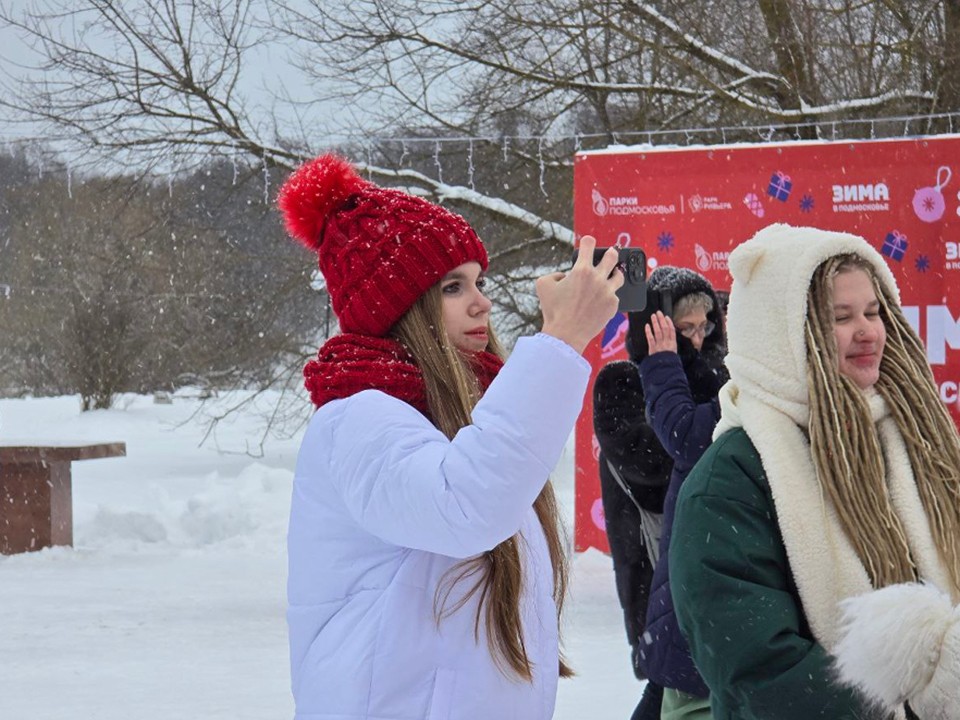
(766,349)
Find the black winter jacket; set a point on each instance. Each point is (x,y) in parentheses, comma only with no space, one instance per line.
(627,441)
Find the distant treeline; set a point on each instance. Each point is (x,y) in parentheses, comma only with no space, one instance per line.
(115,284)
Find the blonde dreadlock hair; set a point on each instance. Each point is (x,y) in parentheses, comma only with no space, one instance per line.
(452,392)
(846,446)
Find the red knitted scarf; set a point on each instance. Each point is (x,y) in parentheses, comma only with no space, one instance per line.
(349,363)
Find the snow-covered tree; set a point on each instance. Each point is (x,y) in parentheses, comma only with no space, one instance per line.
(168,82)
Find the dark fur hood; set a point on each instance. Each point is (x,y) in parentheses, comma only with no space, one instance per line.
(705,369)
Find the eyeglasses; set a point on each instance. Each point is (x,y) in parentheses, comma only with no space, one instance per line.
(689,331)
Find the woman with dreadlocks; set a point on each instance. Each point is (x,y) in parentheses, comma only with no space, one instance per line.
(426,558)
(834,474)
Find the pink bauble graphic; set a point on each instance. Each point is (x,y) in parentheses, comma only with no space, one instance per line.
(753,203)
(928,203)
(596,514)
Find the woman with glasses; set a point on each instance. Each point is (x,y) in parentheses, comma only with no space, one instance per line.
(681,371)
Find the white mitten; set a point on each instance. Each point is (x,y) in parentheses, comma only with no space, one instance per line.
(892,649)
(940,699)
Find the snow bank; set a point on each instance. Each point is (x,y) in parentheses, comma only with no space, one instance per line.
(171,603)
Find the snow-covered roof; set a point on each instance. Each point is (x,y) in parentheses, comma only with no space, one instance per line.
(650,148)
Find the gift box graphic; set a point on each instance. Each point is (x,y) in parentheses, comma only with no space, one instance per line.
(780,186)
(894,245)
(753,203)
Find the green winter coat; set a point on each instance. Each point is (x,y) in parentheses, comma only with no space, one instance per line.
(736,601)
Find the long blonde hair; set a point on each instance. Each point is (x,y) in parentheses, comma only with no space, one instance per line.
(846,447)
(452,392)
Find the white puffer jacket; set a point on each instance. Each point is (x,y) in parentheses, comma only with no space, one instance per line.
(383,505)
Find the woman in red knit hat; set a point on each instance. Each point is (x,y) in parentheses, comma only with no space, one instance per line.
(426,559)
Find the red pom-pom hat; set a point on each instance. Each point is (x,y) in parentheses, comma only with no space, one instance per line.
(379,249)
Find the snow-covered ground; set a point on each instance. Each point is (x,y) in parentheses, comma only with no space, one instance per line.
(170,605)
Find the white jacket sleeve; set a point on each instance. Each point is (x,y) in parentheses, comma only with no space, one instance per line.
(406,483)
(902,644)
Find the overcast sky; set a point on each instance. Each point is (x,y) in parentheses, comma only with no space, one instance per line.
(13,53)
(265,71)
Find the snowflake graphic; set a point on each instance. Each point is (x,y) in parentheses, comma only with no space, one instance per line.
(928,204)
(806,203)
(922,263)
(665,241)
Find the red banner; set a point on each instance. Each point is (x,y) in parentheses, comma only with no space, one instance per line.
(691,206)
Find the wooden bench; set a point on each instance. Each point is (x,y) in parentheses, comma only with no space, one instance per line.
(36,498)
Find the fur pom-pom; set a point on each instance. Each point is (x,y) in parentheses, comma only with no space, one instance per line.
(891,641)
(315,190)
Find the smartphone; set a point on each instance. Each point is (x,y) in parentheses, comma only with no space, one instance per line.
(661,300)
(633,264)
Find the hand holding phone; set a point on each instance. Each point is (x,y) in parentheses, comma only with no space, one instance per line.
(632,262)
(578,304)
(661,333)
